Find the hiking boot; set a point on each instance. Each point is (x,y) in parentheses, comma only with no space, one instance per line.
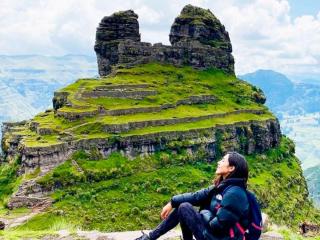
(143,237)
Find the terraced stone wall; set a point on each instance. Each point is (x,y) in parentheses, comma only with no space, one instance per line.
(245,137)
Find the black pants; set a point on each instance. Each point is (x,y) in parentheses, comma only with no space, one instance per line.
(190,222)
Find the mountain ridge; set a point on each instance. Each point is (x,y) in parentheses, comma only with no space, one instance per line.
(298,113)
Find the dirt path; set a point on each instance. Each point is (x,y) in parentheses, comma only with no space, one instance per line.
(174,234)
(17,221)
(131,235)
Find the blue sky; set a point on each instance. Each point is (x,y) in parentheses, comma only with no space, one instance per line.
(304,7)
(282,35)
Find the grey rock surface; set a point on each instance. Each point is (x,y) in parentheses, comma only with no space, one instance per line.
(198,39)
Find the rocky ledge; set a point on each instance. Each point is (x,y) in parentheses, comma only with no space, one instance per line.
(247,137)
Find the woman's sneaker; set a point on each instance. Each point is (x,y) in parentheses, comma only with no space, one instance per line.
(143,237)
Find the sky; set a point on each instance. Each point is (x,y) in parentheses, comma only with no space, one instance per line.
(282,35)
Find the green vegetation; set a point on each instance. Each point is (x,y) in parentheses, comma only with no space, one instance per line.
(172,85)
(117,194)
(208,123)
(9,181)
(198,16)
(276,177)
(289,235)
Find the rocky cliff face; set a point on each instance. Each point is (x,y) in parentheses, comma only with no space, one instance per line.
(197,37)
(246,137)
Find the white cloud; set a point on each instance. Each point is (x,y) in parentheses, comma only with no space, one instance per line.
(263,33)
(264,36)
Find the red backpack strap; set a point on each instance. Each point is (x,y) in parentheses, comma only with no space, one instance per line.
(231,232)
(256,226)
(240,228)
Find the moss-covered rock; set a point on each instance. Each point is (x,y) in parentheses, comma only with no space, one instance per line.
(195,23)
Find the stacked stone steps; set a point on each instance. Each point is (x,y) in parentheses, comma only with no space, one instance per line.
(126,91)
(80,114)
(121,86)
(30,194)
(125,127)
(30,202)
(83,111)
(197,99)
(126,94)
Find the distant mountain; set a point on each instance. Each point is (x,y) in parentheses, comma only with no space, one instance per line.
(312,175)
(27,82)
(305,99)
(297,105)
(275,85)
(285,96)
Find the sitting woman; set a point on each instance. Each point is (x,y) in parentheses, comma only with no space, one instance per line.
(224,207)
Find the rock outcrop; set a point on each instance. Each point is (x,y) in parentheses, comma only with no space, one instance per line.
(10,144)
(198,24)
(198,39)
(30,194)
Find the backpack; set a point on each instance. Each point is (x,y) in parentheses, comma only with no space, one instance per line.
(254,229)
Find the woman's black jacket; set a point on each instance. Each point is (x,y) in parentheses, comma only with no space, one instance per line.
(220,215)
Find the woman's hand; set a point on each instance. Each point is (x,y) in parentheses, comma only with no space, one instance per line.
(166,210)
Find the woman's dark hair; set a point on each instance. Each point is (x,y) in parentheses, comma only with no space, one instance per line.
(241,168)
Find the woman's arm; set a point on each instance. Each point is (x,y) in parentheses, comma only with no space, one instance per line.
(196,198)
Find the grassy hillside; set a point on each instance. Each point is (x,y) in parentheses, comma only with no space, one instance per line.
(150,182)
(166,87)
(117,193)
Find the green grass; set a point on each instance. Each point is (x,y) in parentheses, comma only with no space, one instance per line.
(276,177)
(9,181)
(290,235)
(179,112)
(118,194)
(130,202)
(14,213)
(26,234)
(171,83)
(203,124)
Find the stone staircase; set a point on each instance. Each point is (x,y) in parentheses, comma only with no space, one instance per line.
(30,194)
